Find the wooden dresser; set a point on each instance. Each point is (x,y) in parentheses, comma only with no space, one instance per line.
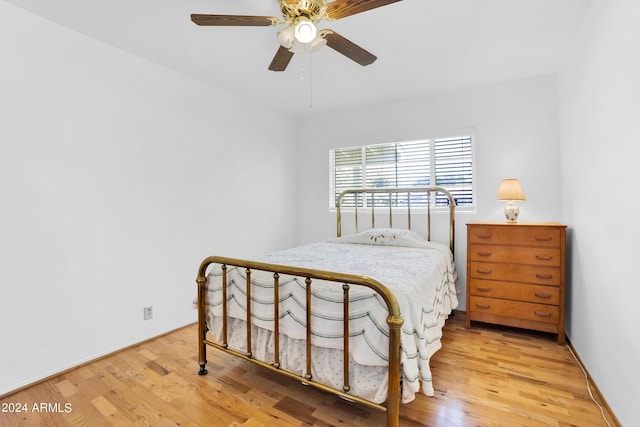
(516,275)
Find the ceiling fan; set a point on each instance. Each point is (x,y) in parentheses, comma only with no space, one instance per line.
(301,17)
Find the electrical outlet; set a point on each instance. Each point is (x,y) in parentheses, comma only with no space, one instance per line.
(148,313)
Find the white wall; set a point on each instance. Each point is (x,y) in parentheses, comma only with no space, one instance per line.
(600,113)
(117,177)
(517,135)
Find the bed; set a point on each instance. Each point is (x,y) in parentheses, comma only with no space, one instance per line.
(395,287)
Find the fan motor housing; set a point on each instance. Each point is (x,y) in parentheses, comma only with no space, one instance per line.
(313,10)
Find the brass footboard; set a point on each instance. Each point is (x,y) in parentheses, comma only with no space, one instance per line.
(394,322)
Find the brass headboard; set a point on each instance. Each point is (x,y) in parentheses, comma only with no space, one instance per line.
(398,203)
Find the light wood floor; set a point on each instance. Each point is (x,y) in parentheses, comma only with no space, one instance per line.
(484,376)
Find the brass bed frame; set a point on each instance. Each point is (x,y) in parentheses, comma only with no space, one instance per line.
(394,319)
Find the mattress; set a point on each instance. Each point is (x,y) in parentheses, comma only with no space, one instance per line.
(421,275)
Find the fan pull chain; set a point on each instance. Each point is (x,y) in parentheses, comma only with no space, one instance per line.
(310,76)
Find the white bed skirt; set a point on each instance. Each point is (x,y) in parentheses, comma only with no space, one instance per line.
(367,382)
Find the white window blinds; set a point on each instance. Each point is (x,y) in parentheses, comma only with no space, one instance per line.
(443,162)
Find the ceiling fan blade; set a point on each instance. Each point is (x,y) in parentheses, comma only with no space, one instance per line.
(234,20)
(348,48)
(281,60)
(342,8)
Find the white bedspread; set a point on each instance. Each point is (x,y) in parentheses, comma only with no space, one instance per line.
(422,279)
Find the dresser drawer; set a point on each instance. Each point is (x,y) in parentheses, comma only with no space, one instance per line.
(515,235)
(515,291)
(515,254)
(515,309)
(550,276)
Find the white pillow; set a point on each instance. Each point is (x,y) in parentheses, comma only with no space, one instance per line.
(385,237)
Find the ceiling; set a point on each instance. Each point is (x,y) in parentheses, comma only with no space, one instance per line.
(423,46)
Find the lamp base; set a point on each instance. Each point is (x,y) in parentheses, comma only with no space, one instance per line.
(511,212)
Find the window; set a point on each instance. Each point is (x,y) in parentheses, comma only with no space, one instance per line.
(442,162)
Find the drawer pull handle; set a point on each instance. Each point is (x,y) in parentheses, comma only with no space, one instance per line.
(544,276)
(484,270)
(543,296)
(544,239)
(484,253)
(484,236)
(544,257)
(543,314)
(485,306)
(483,289)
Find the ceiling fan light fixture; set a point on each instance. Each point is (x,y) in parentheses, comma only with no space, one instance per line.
(286,37)
(297,47)
(305,31)
(317,43)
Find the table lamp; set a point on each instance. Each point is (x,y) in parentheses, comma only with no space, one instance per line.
(510,190)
